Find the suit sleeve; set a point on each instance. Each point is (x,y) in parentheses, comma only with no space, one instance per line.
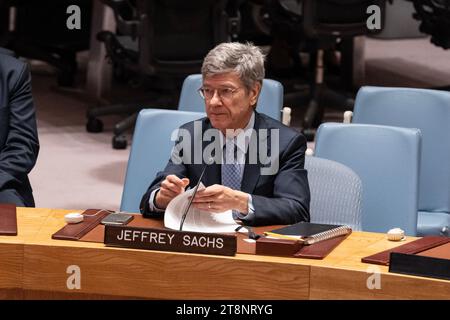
(179,170)
(290,201)
(19,153)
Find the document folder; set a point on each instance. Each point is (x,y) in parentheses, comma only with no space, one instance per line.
(413,247)
(8,220)
(92,218)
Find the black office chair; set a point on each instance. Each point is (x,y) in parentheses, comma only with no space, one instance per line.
(4,20)
(255,22)
(285,20)
(172,38)
(40,33)
(330,21)
(320,28)
(434,16)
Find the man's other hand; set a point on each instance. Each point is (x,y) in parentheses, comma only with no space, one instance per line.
(170,188)
(218,198)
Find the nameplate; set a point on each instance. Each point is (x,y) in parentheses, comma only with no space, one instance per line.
(170,240)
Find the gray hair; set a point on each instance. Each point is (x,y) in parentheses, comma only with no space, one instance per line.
(246,60)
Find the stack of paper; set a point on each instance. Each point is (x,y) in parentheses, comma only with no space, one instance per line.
(197,220)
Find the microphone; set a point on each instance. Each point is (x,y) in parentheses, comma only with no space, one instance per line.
(183,217)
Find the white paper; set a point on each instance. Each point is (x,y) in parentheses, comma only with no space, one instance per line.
(197,220)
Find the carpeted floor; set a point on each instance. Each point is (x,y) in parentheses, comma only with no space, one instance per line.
(78,170)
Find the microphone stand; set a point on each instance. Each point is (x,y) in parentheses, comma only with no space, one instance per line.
(183,217)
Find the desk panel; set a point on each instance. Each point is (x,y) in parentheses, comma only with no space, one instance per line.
(11,294)
(335,283)
(161,275)
(11,259)
(12,254)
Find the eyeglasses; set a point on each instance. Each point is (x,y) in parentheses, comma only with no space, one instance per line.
(223,93)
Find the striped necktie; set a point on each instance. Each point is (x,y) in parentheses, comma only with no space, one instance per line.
(231,169)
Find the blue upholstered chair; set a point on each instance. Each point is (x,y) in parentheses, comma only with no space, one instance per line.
(150,151)
(336,193)
(429,111)
(387,161)
(270,101)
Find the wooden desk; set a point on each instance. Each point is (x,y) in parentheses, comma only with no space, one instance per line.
(12,252)
(115,272)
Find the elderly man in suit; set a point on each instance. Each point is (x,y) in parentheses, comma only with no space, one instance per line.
(258,168)
(19,143)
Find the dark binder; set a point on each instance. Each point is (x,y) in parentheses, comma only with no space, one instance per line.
(309,233)
(8,220)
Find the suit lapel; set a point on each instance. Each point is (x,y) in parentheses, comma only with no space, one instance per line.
(212,175)
(252,171)
(213,172)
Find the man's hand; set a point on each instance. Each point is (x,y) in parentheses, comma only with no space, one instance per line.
(218,198)
(170,188)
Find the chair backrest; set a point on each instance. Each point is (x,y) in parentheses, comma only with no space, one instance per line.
(427,110)
(175,35)
(434,19)
(336,193)
(150,151)
(270,100)
(399,21)
(39,24)
(337,18)
(387,161)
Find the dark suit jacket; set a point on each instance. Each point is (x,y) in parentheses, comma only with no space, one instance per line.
(19,143)
(282,198)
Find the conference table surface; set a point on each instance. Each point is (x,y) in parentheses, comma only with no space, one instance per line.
(35,266)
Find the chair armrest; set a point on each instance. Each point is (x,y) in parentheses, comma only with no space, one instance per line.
(286,116)
(309,152)
(348,115)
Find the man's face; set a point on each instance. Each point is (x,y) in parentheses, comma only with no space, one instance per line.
(229,105)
